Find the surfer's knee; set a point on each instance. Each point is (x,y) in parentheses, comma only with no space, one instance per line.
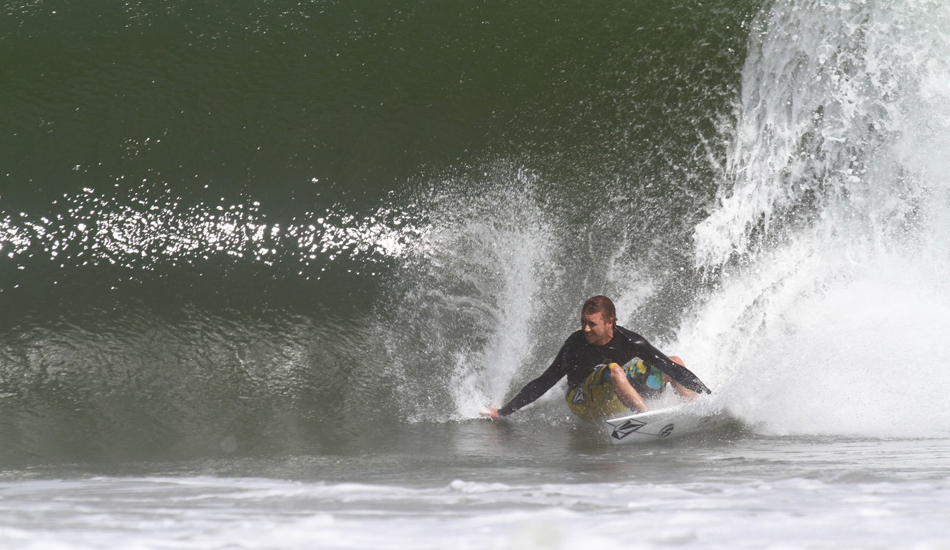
(677,360)
(617,374)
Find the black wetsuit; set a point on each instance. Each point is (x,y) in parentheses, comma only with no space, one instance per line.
(577,359)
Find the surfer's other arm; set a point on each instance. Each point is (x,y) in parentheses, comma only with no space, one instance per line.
(685,393)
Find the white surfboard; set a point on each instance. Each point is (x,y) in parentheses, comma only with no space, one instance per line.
(676,421)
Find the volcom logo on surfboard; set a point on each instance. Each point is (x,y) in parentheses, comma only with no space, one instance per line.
(627,428)
(630,426)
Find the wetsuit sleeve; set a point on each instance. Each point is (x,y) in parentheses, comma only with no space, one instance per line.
(537,387)
(655,358)
(677,372)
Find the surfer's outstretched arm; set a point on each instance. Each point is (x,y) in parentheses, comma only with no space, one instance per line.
(535,389)
(491,413)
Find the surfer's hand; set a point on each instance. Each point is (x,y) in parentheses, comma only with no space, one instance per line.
(491,414)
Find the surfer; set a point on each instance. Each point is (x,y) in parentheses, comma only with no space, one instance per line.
(609,369)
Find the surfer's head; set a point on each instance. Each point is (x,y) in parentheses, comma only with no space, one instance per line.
(597,320)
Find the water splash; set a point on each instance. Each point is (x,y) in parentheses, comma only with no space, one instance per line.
(827,253)
(471,293)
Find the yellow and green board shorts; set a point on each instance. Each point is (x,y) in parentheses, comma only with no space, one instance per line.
(595,397)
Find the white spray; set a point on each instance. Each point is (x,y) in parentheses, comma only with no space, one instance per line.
(829,251)
(472,295)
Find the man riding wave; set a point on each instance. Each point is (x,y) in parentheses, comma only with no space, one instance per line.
(609,369)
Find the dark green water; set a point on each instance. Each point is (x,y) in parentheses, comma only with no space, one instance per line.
(262,220)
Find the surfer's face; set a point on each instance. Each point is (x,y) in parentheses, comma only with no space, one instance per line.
(597,331)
